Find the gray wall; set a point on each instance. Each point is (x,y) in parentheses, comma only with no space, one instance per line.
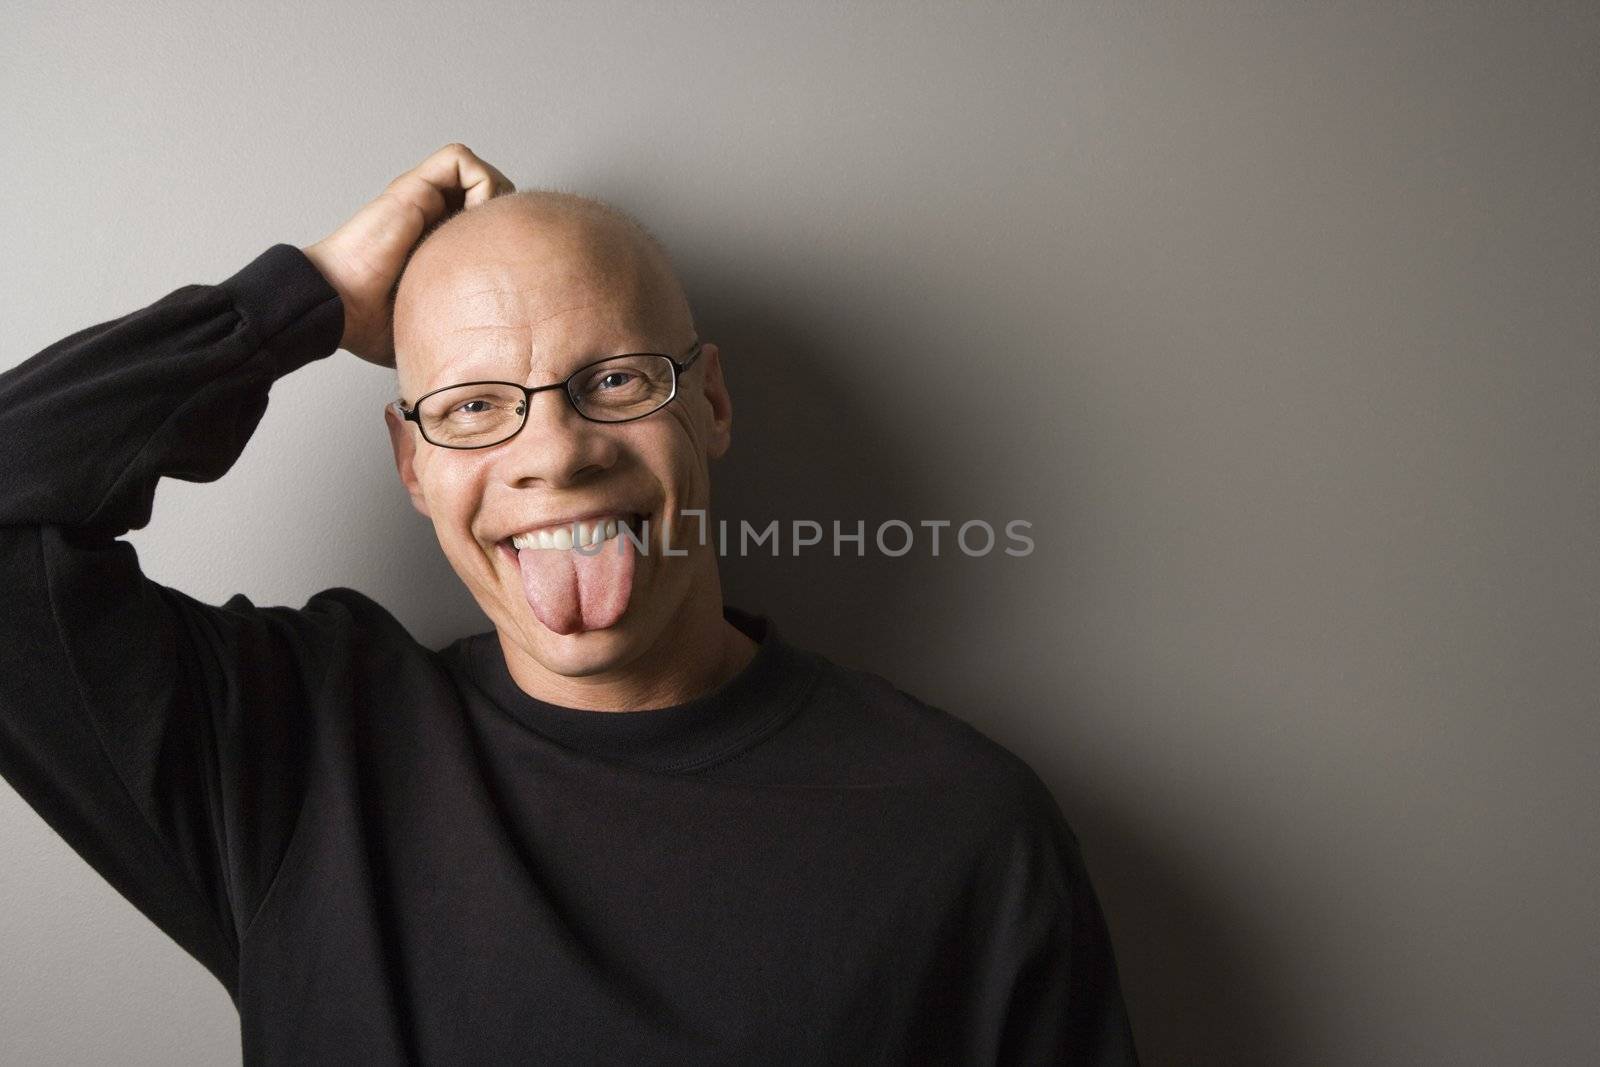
(1278,322)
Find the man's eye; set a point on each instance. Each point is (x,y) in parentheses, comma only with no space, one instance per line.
(473,407)
(614,380)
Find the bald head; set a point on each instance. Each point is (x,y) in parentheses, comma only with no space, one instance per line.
(518,260)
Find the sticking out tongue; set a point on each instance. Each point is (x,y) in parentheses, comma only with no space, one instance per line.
(570,590)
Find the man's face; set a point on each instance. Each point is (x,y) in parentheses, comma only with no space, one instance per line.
(525,296)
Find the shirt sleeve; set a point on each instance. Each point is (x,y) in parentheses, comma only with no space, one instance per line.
(1052,973)
(164,739)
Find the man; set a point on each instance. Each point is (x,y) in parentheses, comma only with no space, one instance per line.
(630,824)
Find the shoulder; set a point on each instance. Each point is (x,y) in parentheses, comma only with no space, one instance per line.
(334,624)
(326,610)
(958,797)
(868,731)
(342,602)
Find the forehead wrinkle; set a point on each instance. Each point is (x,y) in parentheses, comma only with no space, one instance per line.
(501,298)
(494,348)
(530,324)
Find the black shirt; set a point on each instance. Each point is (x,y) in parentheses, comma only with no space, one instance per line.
(392,854)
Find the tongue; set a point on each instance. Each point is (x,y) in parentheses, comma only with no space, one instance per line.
(570,590)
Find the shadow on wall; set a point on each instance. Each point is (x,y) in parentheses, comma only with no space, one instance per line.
(1201,987)
(807,447)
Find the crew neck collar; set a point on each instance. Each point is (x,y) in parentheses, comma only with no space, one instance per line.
(680,738)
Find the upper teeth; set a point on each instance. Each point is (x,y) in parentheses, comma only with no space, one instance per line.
(588,533)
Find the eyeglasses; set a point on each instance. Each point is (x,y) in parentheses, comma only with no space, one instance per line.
(614,389)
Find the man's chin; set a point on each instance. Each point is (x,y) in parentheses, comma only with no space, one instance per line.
(582,653)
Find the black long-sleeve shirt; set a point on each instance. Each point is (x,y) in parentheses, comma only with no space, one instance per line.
(391,854)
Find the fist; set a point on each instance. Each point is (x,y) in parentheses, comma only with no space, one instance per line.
(362,259)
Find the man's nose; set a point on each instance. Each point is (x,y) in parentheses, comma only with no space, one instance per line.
(556,445)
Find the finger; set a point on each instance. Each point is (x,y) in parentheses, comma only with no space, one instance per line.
(502,185)
(427,184)
(453,168)
(426,198)
(457,167)
(482,181)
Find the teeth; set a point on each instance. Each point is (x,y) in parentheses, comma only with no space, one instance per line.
(560,537)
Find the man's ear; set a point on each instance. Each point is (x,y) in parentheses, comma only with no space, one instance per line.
(404,444)
(719,434)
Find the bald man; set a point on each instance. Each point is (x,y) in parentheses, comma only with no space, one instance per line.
(629,824)
(522,289)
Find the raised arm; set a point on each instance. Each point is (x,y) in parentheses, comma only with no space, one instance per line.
(163,738)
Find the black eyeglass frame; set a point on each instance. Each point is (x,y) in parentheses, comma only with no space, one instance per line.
(565,385)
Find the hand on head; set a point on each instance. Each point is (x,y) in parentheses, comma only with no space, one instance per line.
(363,258)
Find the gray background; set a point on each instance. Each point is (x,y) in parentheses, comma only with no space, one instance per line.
(1278,322)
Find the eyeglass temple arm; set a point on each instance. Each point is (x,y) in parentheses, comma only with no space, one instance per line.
(694,354)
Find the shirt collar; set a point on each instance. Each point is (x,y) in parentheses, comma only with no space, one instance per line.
(682,738)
